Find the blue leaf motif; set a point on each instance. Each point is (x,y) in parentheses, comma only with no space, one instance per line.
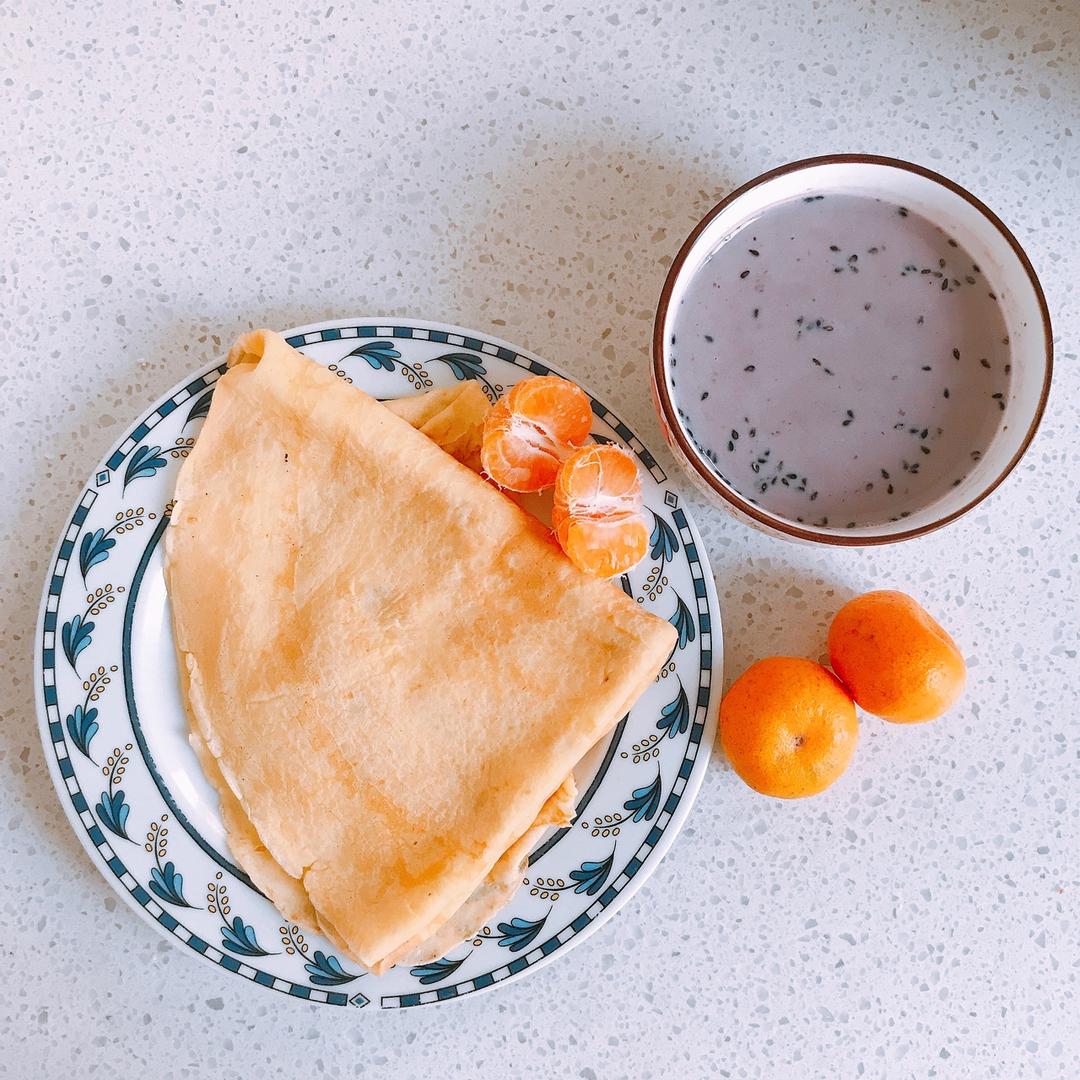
(75,636)
(663,543)
(683,621)
(239,937)
(113,811)
(82,727)
(144,462)
(94,549)
(326,970)
(464,365)
(675,715)
(518,933)
(592,875)
(645,801)
(436,970)
(201,409)
(166,884)
(379,354)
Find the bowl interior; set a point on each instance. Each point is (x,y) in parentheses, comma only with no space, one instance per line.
(1005,268)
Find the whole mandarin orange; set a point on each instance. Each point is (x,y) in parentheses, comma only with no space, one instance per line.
(895,659)
(788,727)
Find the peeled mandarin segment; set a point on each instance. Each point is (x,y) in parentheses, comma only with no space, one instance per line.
(557,406)
(598,482)
(788,727)
(597,514)
(532,429)
(511,454)
(895,658)
(603,548)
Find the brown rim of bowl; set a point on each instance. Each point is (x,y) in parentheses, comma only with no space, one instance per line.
(729,494)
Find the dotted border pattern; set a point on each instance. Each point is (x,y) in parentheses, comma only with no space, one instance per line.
(147,902)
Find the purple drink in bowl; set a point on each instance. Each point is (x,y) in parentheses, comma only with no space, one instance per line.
(851,350)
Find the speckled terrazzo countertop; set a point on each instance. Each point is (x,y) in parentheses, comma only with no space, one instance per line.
(171,177)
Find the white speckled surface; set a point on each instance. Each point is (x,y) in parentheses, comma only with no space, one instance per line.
(174,176)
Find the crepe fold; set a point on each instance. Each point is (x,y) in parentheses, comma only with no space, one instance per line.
(390,668)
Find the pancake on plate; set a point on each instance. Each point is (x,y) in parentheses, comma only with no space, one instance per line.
(390,667)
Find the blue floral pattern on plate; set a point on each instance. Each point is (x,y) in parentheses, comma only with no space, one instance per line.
(103,647)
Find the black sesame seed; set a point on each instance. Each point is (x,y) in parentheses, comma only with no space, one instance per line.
(955,354)
(902,211)
(925,449)
(1001,405)
(889,489)
(734,433)
(941,263)
(946,392)
(884,475)
(1008,368)
(871,251)
(815,360)
(952,242)
(833,247)
(927,367)
(730,446)
(924,433)
(753,252)
(755,313)
(745,274)
(920,320)
(985,363)
(969,279)
(705,395)
(944,285)
(957,483)
(672,339)
(828,371)
(853,258)
(997,397)
(838,269)
(976,454)
(749,367)
(866,306)
(709,338)
(753,432)
(813,495)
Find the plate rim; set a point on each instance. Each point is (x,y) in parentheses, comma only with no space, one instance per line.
(688,795)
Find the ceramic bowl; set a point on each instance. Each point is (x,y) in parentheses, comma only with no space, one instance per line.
(962,216)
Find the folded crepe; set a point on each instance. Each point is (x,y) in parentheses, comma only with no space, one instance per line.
(390,667)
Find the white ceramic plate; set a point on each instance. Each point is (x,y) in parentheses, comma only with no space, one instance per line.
(115,733)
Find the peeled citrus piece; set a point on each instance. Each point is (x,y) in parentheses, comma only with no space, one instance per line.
(597,513)
(532,429)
